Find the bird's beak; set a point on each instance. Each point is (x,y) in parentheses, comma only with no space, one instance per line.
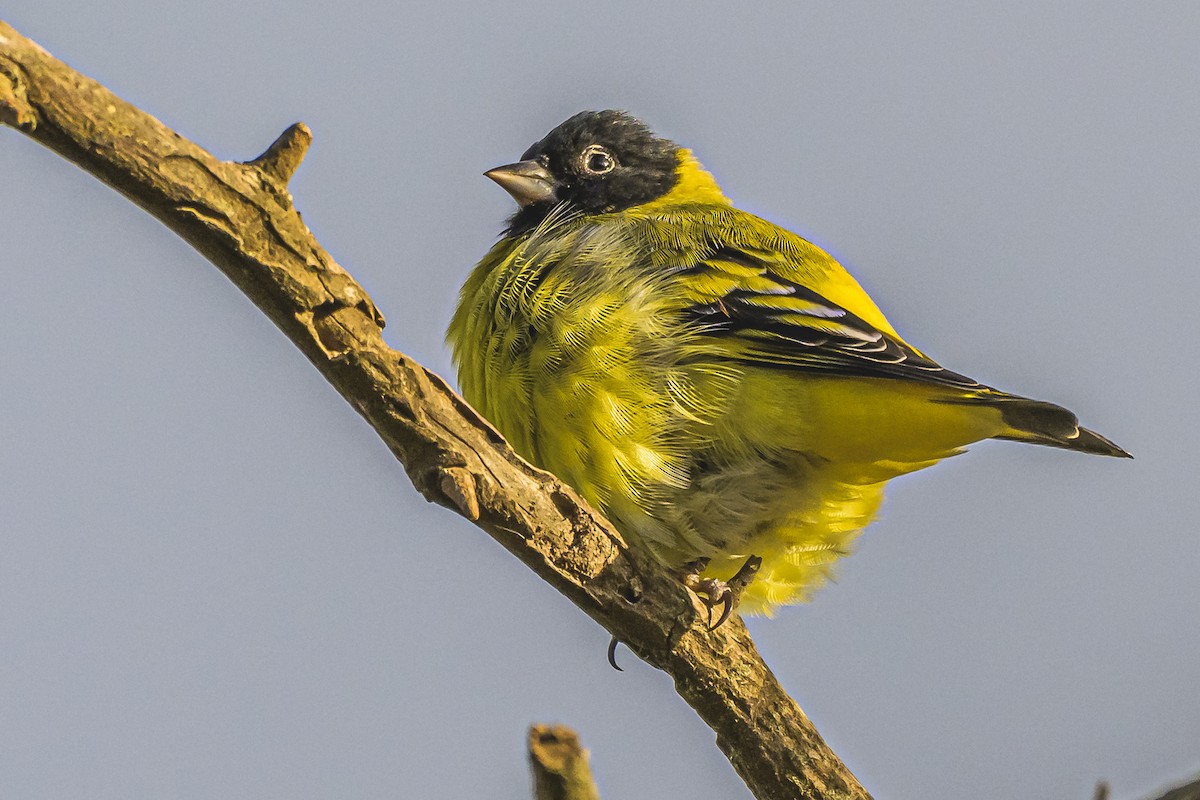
(527,181)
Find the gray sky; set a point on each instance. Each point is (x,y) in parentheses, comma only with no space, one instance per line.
(216,582)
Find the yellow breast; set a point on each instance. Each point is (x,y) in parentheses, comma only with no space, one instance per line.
(567,347)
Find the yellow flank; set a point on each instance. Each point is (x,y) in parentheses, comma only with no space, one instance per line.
(580,340)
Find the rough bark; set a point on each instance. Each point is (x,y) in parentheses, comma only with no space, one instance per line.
(241,217)
(560,765)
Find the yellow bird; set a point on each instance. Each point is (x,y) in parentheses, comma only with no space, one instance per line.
(723,390)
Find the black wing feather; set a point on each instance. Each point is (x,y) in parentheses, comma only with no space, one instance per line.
(781,324)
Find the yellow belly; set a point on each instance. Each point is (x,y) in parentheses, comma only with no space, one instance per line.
(811,460)
(596,381)
(780,465)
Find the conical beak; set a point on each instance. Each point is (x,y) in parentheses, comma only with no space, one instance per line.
(527,181)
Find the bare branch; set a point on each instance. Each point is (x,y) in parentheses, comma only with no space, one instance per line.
(283,157)
(1187,791)
(560,765)
(241,217)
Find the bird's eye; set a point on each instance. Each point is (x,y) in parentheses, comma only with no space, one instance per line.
(597,160)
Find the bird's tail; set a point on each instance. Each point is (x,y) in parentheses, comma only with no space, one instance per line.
(1039,422)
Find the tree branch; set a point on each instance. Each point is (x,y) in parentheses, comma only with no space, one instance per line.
(1187,791)
(560,765)
(240,216)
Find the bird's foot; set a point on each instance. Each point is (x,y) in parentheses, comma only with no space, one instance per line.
(714,593)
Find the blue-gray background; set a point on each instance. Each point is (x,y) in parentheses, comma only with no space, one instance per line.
(216,582)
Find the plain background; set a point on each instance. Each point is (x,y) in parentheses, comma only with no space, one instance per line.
(216,582)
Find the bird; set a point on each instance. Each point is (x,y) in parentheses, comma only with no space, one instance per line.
(720,388)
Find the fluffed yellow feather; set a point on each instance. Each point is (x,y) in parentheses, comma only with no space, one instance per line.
(580,339)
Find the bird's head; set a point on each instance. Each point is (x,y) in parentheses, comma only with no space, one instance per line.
(596,162)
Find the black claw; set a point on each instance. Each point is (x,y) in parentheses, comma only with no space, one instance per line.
(726,601)
(713,592)
(612,654)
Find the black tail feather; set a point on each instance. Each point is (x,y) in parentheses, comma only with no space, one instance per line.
(1039,422)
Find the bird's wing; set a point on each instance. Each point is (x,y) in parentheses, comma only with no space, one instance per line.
(750,302)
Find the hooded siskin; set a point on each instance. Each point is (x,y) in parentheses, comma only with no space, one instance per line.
(718,386)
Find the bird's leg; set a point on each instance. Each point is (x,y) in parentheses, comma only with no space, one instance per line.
(690,572)
(714,592)
(709,590)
